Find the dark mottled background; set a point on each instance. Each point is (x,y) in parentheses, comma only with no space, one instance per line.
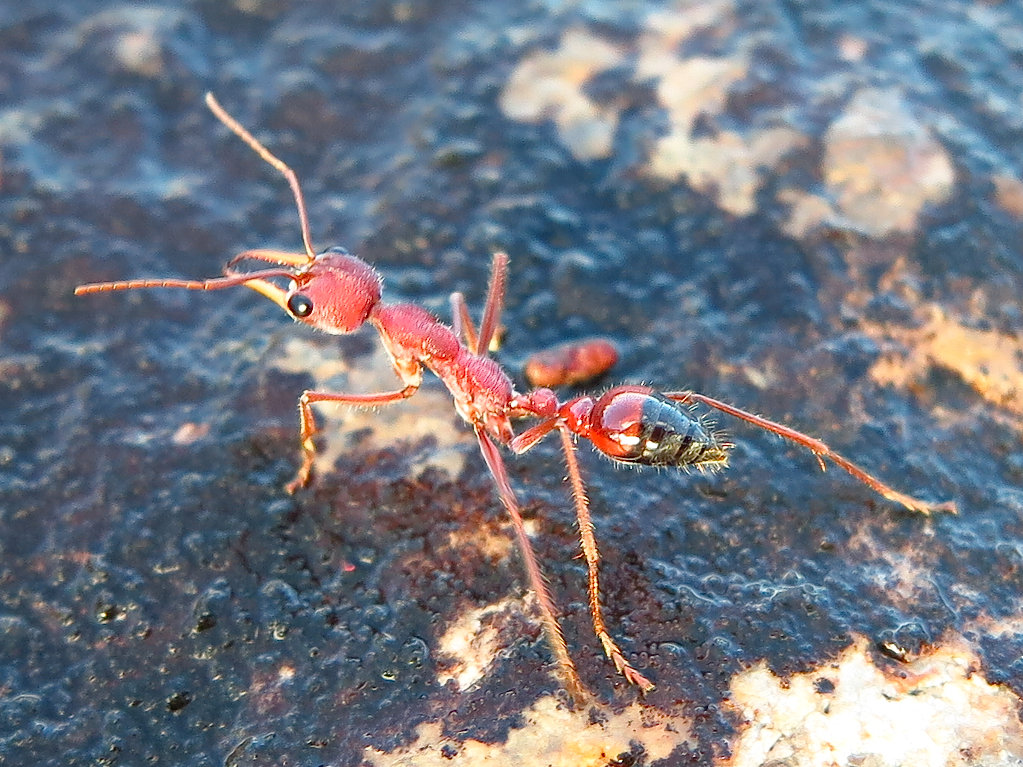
(163,601)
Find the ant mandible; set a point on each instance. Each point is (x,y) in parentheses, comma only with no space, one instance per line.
(338,293)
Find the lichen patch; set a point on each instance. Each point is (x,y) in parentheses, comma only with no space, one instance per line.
(990,361)
(882,165)
(1008,194)
(551,85)
(936,710)
(551,735)
(472,643)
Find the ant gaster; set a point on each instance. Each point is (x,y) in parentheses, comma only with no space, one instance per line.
(338,293)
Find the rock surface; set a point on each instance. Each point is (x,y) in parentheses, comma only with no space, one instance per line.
(810,210)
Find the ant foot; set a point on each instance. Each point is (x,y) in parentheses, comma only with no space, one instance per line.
(636,678)
(301,480)
(623,666)
(915,504)
(633,676)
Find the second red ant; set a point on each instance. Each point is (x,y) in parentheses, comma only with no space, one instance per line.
(336,292)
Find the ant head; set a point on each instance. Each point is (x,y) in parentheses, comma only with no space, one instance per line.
(332,291)
(335,293)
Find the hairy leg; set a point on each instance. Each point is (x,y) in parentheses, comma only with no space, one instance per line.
(536,580)
(308,422)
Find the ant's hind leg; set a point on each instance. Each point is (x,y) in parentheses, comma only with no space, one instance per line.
(819,449)
(461,322)
(589,547)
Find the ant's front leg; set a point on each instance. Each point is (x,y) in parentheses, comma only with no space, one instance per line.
(308,422)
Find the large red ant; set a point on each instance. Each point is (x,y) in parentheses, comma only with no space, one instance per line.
(338,293)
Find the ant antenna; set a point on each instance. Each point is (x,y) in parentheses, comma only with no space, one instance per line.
(215,284)
(236,128)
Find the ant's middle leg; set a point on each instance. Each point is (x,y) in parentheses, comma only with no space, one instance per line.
(462,323)
(537,583)
(495,300)
(308,422)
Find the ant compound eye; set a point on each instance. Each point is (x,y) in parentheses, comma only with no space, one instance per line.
(300,305)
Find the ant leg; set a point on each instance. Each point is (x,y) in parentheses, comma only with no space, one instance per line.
(531,436)
(589,547)
(819,449)
(495,298)
(536,580)
(461,322)
(308,422)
